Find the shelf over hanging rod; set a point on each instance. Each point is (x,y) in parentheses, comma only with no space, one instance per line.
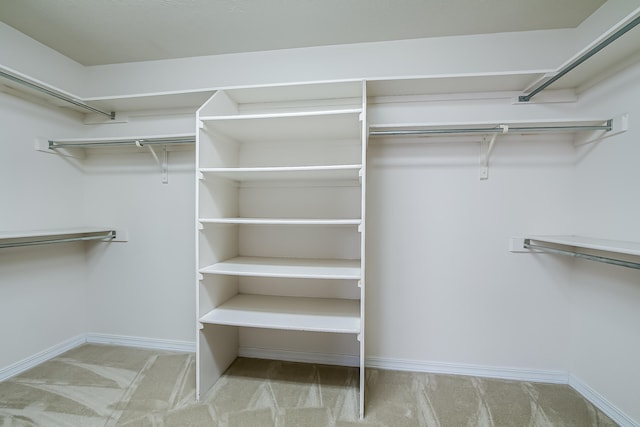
(554,250)
(373,131)
(139,142)
(579,60)
(53,93)
(14,240)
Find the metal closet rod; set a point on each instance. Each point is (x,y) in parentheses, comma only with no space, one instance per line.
(494,129)
(110,235)
(606,260)
(58,95)
(120,142)
(573,64)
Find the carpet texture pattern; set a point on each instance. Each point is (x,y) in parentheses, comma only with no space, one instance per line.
(99,385)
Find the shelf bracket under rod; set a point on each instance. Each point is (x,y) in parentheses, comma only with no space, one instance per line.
(484,162)
(164,164)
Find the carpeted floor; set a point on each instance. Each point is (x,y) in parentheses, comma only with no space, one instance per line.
(96,385)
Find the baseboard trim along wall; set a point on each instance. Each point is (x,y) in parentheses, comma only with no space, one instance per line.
(40,357)
(531,375)
(622,419)
(150,343)
(516,374)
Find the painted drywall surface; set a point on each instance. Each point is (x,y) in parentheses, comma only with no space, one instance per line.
(43,289)
(494,53)
(605,300)
(25,55)
(144,287)
(442,285)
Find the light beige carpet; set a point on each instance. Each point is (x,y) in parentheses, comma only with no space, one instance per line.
(96,385)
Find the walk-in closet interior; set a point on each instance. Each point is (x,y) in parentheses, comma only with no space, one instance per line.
(460,201)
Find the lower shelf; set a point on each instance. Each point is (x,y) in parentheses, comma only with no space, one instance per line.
(289,313)
(287,267)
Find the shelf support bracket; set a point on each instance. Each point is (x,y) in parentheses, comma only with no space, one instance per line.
(487,149)
(164,163)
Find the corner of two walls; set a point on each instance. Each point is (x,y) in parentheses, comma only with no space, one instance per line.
(443,289)
(605,299)
(51,296)
(43,289)
(143,288)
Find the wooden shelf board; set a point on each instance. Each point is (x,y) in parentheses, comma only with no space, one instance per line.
(287,267)
(289,313)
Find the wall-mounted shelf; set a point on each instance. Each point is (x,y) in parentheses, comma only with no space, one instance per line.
(487,134)
(10,239)
(621,253)
(75,147)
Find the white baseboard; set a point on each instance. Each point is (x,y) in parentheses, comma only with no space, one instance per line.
(517,374)
(601,403)
(555,377)
(296,356)
(141,342)
(51,352)
(40,357)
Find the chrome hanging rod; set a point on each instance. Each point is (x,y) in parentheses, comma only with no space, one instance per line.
(110,235)
(573,64)
(122,142)
(494,129)
(55,94)
(606,260)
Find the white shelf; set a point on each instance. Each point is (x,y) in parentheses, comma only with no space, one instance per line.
(287,267)
(280,221)
(62,235)
(316,125)
(324,172)
(289,313)
(613,246)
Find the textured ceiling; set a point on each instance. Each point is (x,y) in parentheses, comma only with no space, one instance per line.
(94,32)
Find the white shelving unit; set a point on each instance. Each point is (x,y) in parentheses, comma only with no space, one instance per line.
(280,198)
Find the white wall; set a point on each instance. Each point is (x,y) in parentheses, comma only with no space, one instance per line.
(605,299)
(144,287)
(43,290)
(442,286)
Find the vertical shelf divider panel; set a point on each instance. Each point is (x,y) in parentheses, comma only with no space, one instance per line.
(363,203)
(280,210)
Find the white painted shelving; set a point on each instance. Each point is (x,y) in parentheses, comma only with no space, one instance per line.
(280,210)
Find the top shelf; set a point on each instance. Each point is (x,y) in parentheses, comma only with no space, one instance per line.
(317,125)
